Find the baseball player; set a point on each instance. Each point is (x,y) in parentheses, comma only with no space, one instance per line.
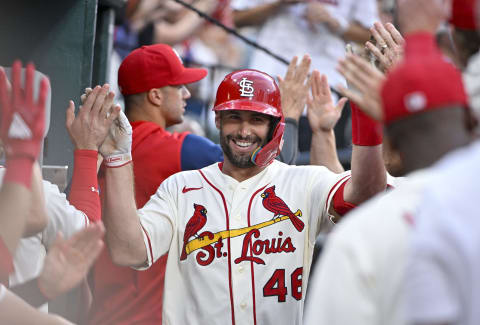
(363,266)
(239,234)
(441,282)
(153,79)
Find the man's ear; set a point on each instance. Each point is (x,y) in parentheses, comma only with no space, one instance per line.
(155,96)
(217,120)
(392,157)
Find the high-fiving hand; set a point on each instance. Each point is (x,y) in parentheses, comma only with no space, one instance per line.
(90,127)
(294,87)
(322,113)
(22,119)
(117,147)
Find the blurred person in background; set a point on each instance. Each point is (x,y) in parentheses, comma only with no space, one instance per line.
(366,255)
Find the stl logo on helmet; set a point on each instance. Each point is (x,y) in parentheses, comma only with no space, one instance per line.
(246,89)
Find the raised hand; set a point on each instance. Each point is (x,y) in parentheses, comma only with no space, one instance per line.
(364,82)
(294,87)
(90,127)
(322,113)
(388,47)
(68,261)
(22,118)
(117,147)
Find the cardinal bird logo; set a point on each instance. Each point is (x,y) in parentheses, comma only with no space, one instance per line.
(274,204)
(196,222)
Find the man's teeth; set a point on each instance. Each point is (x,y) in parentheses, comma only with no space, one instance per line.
(243,144)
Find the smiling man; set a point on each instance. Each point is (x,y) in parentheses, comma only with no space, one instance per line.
(240,242)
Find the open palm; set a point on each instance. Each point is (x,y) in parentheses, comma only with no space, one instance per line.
(322,113)
(68,260)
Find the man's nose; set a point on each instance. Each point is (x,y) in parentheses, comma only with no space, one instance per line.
(245,129)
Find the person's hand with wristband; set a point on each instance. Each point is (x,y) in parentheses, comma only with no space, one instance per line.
(117,147)
(22,126)
(22,122)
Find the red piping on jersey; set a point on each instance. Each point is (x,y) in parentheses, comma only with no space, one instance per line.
(251,262)
(331,190)
(228,246)
(149,243)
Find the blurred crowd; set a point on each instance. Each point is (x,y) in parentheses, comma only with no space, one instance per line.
(387,88)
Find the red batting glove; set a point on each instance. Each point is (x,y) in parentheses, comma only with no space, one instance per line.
(22,122)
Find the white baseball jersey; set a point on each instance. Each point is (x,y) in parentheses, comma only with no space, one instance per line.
(442,278)
(249,263)
(31,251)
(359,278)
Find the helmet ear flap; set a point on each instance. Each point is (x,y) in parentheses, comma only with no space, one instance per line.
(265,155)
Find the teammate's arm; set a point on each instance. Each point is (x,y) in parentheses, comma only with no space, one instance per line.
(22,148)
(37,217)
(88,130)
(124,232)
(323,115)
(368,174)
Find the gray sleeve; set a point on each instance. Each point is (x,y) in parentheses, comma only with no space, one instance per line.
(289,151)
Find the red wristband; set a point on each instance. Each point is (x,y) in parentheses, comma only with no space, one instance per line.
(365,131)
(84,193)
(19,170)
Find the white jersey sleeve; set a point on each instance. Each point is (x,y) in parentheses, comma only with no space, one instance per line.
(62,216)
(157,219)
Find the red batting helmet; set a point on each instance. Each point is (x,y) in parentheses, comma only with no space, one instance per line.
(253,90)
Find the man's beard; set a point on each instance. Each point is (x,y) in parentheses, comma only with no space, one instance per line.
(239,160)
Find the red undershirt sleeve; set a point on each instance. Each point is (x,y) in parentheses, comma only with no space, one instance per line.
(84,195)
(341,206)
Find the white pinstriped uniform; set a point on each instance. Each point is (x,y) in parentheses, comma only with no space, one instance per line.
(237,281)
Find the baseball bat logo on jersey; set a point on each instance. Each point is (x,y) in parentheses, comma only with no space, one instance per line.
(274,204)
(211,244)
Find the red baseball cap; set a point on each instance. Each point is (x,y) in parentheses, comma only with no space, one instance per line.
(419,85)
(463,14)
(154,66)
